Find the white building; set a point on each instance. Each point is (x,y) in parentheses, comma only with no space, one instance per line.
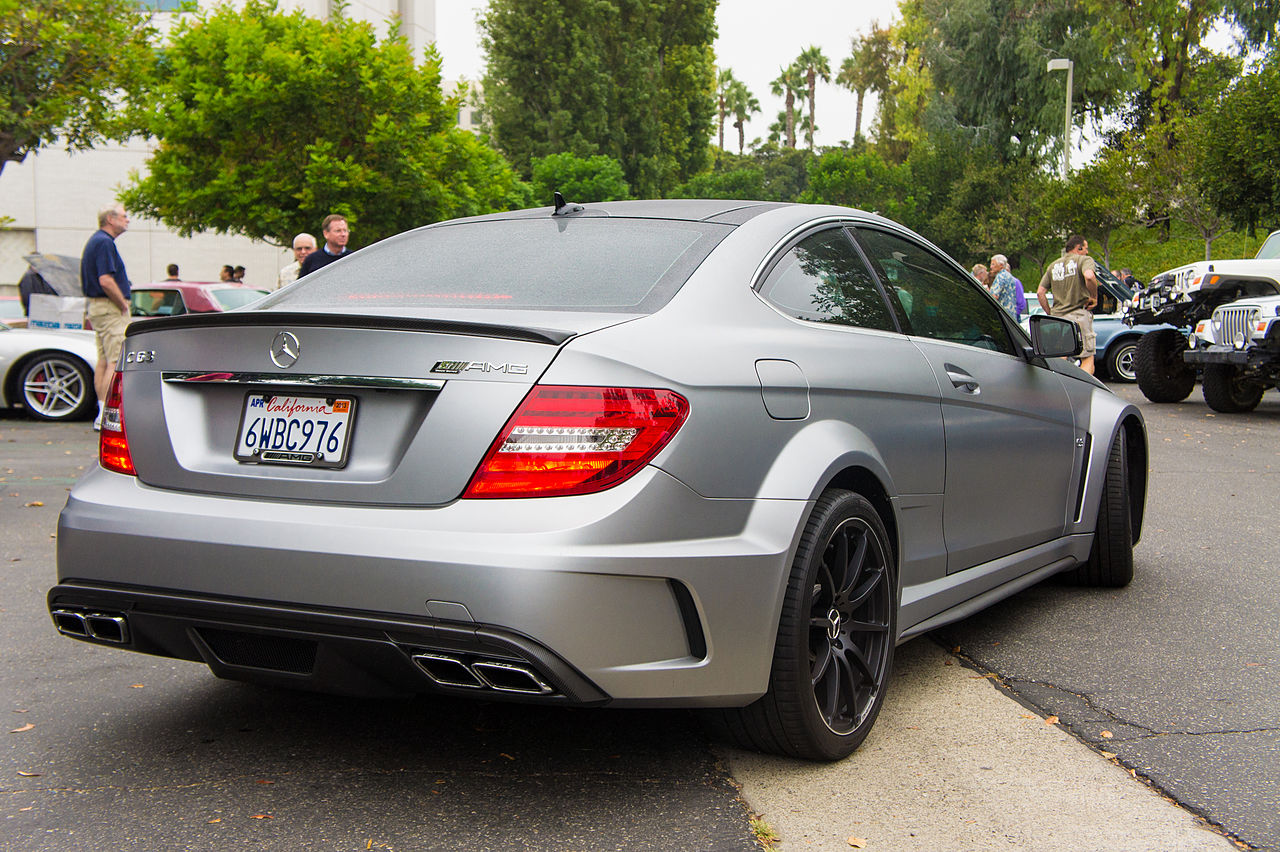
(53,197)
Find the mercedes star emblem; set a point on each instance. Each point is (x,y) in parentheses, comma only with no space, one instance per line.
(284,350)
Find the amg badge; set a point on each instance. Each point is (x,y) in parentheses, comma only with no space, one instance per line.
(479,367)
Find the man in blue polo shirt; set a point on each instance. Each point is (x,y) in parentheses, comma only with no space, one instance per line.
(105,283)
(336,233)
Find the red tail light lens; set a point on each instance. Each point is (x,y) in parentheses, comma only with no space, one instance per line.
(577,440)
(113,443)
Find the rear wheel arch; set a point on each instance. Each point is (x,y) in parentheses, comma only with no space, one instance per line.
(1135,438)
(861,480)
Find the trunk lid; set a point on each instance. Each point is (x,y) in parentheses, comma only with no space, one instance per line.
(426,399)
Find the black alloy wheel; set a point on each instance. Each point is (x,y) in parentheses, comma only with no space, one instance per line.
(1226,389)
(836,638)
(1158,366)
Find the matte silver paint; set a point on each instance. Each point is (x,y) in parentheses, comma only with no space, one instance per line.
(975,456)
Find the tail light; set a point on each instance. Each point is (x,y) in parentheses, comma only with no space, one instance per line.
(577,440)
(113,443)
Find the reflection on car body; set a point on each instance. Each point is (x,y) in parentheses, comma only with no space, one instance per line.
(751,447)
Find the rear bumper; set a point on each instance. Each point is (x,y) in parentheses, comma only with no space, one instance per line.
(644,595)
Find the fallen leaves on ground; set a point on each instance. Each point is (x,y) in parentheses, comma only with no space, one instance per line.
(35,504)
(28,774)
(261,816)
(857,843)
(25,727)
(1051,720)
(1106,735)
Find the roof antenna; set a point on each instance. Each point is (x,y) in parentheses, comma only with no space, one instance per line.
(564,208)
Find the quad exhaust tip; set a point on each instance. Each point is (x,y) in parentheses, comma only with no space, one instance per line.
(109,627)
(496,675)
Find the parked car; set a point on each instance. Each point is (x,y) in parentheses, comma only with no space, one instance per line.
(711,454)
(49,373)
(1238,348)
(171,298)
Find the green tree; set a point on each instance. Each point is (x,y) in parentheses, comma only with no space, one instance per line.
(789,85)
(63,68)
(724,83)
(742,104)
(632,79)
(268,121)
(1098,199)
(1160,42)
(1240,158)
(864,180)
(815,66)
(867,69)
(986,60)
(581,179)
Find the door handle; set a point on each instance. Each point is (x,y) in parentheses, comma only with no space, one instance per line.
(962,380)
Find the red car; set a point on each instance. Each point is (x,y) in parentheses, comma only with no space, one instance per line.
(171,298)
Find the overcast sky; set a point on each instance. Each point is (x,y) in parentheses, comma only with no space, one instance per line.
(757,39)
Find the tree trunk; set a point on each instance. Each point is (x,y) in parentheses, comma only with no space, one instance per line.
(857,119)
(791,119)
(813,93)
(742,135)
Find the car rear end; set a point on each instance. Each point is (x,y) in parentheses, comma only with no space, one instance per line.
(400,476)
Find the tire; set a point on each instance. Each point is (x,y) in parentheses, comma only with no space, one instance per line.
(1158,366)
(1120,358)
(56,386)
(836,637)
(1110,562)
(1226,391)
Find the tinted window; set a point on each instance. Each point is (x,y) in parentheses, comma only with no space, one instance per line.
(592,264)
(933,298)
(822,279)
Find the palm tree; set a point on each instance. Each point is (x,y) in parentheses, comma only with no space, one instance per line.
(789,84)
(867,69)
(813,63)
(742,104)
(724,82)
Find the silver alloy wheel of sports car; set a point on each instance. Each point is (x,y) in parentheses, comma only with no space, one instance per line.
(56,386)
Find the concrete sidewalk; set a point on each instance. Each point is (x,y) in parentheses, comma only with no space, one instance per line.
(954,763)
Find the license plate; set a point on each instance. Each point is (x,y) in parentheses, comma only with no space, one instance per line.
(314,431)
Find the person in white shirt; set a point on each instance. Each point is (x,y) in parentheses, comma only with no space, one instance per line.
(303,245)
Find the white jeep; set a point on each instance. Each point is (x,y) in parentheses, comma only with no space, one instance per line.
(1238,347)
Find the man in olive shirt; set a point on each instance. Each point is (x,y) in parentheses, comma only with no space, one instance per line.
(1075,291)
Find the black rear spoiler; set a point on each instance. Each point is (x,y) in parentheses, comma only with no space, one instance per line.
(231,319)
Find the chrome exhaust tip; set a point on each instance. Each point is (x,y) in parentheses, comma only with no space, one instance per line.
(448,671)
(107,627)
(70,623)
(507,677)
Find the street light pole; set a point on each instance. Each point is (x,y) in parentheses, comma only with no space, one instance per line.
(1068,66)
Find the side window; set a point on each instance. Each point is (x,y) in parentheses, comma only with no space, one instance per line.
(933,299)
(822,279)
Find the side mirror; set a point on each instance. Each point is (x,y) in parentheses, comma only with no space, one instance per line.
(1055,337)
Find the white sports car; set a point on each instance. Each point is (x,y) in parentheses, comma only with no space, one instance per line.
(49,373)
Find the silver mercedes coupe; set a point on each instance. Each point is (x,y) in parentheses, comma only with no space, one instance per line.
(719,455)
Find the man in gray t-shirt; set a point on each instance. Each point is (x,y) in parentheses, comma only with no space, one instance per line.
(1075,291)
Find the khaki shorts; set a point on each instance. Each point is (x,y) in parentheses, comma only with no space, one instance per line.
(1084,320)
(110,326)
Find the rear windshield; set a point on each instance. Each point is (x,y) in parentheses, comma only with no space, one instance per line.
(589,264)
